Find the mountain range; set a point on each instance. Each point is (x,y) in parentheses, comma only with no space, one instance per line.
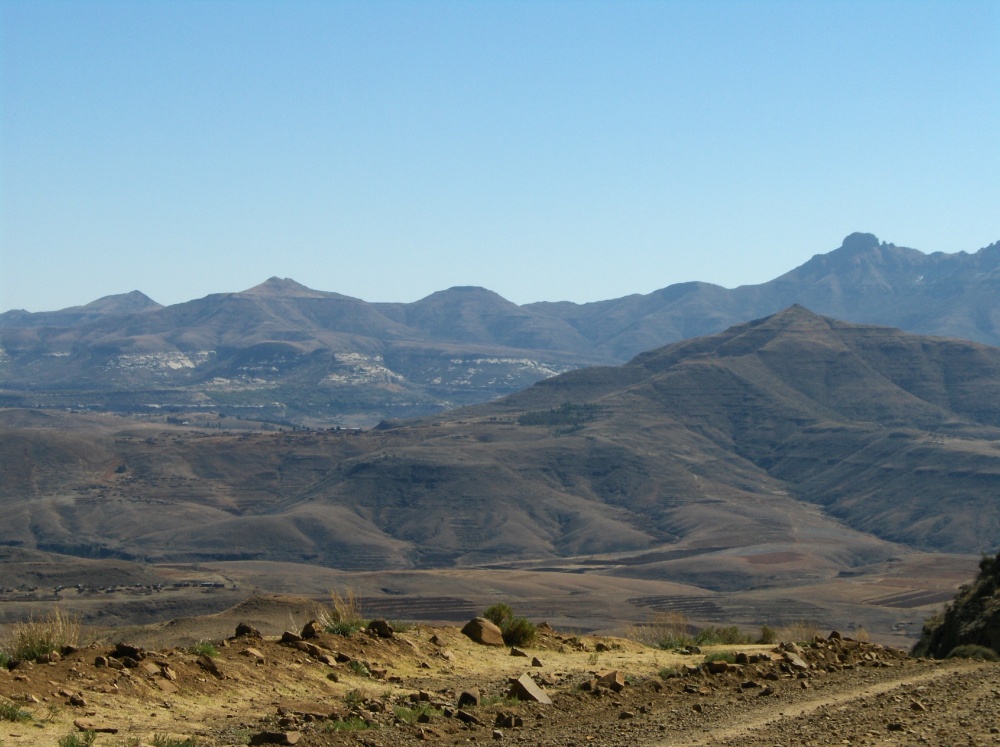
(285,352)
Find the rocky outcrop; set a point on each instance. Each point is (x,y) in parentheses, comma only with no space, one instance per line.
(973,619)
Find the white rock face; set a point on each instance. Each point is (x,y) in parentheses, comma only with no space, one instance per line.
(159,362)
(358,369)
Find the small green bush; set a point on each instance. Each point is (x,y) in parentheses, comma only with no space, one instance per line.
(972,651)
(674,640)
(501,700)
(5,660)
(82,739)
(715,636)
(354,698)
(344,617)
(359,669)
(499,614)
(204,648)
(352,723)
(767,635)
(518,631)
(13,712)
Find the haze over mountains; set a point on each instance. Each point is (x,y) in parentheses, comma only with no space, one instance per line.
(285,352)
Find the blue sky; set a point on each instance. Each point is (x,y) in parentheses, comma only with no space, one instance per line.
(545,150)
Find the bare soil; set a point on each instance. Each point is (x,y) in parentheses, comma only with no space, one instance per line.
(841,692)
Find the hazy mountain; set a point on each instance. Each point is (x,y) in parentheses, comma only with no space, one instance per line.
(283,351)
(791,447)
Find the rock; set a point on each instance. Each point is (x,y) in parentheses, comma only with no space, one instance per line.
(916,705)
(497,734)
(447,654)
(245,630)
(602,647)
(311,629)
(101,661)
(795,661)
(209,665)
(128,651)
(524,688)
(86,725)
(50,658)
(626,714)
(469,697)
(276,737)
(167,671)
(290,637)
(436,640)
(515,651)
(483,632)
(150,669)
(612,680)
(536,662)
(253,653)
(166,686)
(467,718)
(77,700)
(381,628)
(717,667)
(508,720)
(834,636)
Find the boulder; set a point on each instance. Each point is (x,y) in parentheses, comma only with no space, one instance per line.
(483,632)
(381,628)
(245,630)
(312,629)
(469,697)
(524,688)
(614,680)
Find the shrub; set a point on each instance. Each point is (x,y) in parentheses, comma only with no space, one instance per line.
(34,638)
(669,672)
(973,651)
(359,669)
(518,631)
(498,614)
(83,739)
(767,635)
(204,648)
(713,636)
(352,723)
(354,698)
(344,616)
(13,712)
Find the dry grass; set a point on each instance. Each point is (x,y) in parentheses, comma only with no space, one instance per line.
(662,630)
(802,631)
(27,641)
(344,616)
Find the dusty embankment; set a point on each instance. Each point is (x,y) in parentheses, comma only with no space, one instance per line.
(406,689)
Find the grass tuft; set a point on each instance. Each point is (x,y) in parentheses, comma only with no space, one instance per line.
(344,617)
(35,638)
(161,741)
(81,739)
(350,724)
(409,715)
(204,648)
(13,712)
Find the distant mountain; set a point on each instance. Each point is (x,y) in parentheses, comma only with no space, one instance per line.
(791,447)
(286,352)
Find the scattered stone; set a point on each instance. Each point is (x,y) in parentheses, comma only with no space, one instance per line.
(245,630)
(127,651)
(536,662)
(101,661)
(312,629)
(497,734)
(626,715)
(469,697)
(166,686)
(483,632)
(209,665)
(77,700)
(601,647)
(436,640)
(515,651)
(86,725)
(524,688)
(290,637)
(509,720)
(717,667)
(467,718)
(895,726)
(381,628)
(612,680)
(916,705)
(276,737)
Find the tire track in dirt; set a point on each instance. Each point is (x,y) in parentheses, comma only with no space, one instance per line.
(780,713)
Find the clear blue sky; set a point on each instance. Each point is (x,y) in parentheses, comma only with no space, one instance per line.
(546,150)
